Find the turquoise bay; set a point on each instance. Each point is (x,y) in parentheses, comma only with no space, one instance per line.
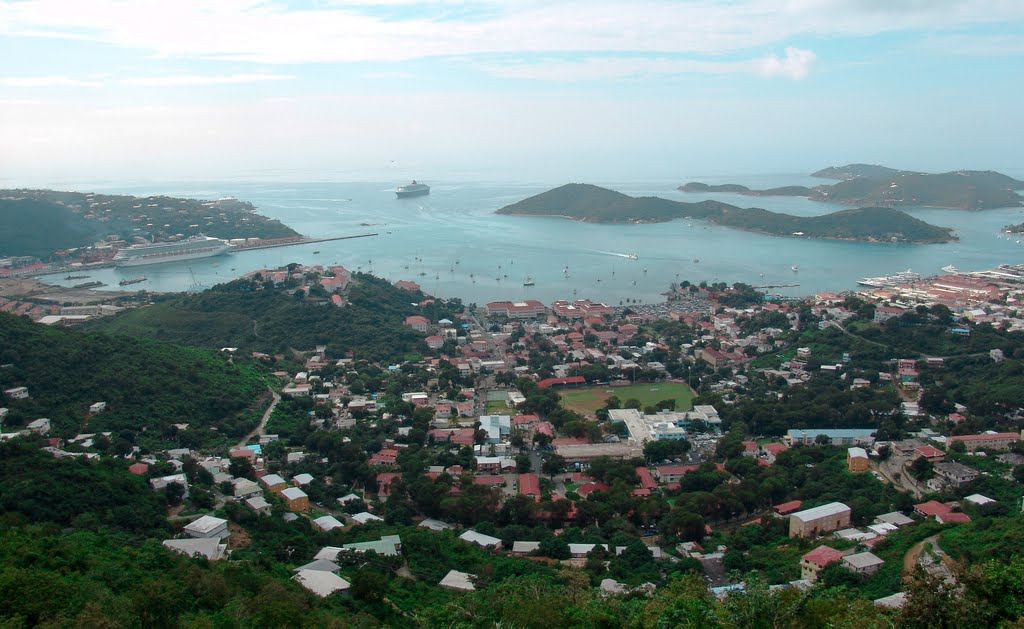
(454,245)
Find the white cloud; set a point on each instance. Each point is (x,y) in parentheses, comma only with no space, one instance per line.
(795,65)
(180,80)
(46,81)
(269,32)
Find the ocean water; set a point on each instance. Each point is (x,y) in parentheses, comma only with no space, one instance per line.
(454,245)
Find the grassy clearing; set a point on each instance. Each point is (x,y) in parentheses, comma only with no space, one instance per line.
(498,408)
(588,400)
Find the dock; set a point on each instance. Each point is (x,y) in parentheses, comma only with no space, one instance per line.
(777,286)
(291,242)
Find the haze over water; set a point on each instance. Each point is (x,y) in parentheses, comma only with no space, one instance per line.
(453,244)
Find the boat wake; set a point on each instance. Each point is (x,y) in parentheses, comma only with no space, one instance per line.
(628,256)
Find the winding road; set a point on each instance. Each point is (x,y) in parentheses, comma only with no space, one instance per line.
(259,430)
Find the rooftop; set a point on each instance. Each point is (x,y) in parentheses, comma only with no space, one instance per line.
(832,508)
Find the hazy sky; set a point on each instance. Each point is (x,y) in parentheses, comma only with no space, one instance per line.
(503,90)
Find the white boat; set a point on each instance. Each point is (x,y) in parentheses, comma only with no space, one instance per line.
(632,256)
(412,189)
(174,251)
(795,268)
(950,269)
(529,281)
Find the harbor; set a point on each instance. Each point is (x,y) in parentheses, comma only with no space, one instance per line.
(451,243)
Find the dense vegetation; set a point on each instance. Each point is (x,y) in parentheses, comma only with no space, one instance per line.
(850,171)
(39,222)
(34,227)
(253,314)
(148,385)
(36,487)
(591,203)
(864,184)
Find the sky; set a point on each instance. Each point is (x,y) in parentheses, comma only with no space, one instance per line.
(503,90)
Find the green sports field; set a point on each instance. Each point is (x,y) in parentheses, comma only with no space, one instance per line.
(588,400)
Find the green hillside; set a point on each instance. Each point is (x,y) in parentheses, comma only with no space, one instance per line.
(255,316)
(39,222)
(965,190)
(592,203)
(867,185)
(851,171)
(33,227)
(148,385)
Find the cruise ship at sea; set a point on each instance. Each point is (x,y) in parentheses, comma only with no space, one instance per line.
(176,251)
(413,189)
(888,281)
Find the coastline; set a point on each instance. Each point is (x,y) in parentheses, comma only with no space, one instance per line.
(751,230)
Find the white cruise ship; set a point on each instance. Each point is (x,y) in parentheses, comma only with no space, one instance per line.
(888,281)
(176,251)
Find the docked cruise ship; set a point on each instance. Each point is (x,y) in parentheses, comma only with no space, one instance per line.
(413,189)
(888,281)
(176,251)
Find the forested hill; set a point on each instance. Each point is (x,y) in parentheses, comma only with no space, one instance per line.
(39,222)
(255,315)
(864,184)
(148,385)
(592,203)
(851,171)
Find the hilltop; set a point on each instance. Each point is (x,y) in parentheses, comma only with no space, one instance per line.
(595,204)
(852,171)
(40,222)
(865,184)
(255,314)
(147,385)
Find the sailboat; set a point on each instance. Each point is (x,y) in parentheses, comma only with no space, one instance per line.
(528,281)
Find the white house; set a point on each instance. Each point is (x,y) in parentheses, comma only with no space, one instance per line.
(17,393)
(210,548)
(327,523)
(207,527)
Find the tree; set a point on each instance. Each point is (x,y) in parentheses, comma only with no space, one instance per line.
(369,585)
(921,469)
(554,547)
(242,468)
(174,493)
(553,464)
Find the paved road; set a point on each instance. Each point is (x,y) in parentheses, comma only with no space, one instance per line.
(894,471)
(261,428)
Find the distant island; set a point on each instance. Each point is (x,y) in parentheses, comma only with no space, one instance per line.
(591,203)
(40,222)
(872,185)
(784,191)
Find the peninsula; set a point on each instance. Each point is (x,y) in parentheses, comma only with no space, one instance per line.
(40,222)
(867,184)
(591,203)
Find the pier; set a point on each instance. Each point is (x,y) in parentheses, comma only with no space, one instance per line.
(291,242)
(777,286)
